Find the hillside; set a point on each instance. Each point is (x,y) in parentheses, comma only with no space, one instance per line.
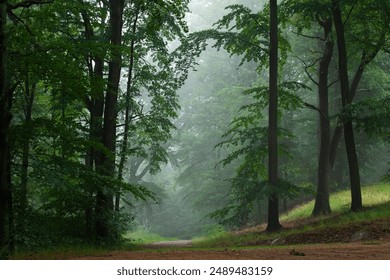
(342,235)
(300,228)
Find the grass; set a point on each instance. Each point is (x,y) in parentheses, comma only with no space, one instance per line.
(340,202)
(376,199)
(142,236)
(133,240)
(212,237)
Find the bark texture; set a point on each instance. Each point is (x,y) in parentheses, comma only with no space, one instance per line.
(104,197)
(346,97)
(5,184)
(322,205)
(273,201)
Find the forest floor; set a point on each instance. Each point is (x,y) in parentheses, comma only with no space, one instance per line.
(331,251)
(364,241)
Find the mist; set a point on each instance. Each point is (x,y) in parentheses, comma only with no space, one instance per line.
(196,187)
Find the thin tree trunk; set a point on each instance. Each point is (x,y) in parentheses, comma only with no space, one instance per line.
(124,148)
(322,205)
(5,184)
(356,203)
(29,98)
(273,200)
(338,131)
(11,215)
(334,144)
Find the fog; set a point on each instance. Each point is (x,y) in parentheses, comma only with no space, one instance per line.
(196,190)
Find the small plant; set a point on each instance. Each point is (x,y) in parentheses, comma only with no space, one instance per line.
(296,253)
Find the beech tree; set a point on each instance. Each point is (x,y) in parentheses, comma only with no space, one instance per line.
(307,16)
(348,90)
(324,14)
(273,202)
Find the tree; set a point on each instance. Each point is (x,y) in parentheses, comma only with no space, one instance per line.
(5,117)
(356,195)
(322,205)
(139,126)
(273,202)
(104,200)
(307,14)
(6,95)
(321,12)
(67,59)
(235,33)
(348,91)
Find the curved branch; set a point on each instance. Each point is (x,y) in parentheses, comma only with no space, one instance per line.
(27,4)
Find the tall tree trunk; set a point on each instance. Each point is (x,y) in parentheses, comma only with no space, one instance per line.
(338,131)
(322,205)
(273,200)
(95,107)
(94,156)
(124,148)
(29,99)
(104,197)
(334,144)
(356,203)
(5,184)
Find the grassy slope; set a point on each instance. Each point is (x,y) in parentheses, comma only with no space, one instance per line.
(298,221)
(375,197)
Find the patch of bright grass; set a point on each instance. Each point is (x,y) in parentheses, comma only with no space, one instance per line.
(375,197)
(143,236)
(340,202)
(216,234)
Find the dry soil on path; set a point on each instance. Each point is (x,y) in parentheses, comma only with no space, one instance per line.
(363,241)
(378,250)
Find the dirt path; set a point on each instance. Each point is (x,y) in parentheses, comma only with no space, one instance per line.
(170,244)
(364,241)
(378,250)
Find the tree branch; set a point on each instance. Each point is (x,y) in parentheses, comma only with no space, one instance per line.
(27,4)
(350,12)
(333,82)
(308,36)
(315,108)
(16,19)
(309,66)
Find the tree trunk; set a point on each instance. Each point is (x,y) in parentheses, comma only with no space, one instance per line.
(273,200)
(365,59)
(5,184)
(322,205)
(104,197)
(124,148)
(29,98)
(95,107)
(356,204)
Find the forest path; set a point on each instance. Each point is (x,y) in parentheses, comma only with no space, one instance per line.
(170,244)
(375,250)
